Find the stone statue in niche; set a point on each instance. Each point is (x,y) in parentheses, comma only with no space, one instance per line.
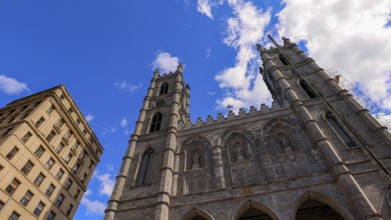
(196,160)
(285,144)
(238,151)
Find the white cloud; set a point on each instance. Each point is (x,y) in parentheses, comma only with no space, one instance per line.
(106,183)
(208,53)
(93,207)
(350,36)
(109,130)
(88,192)
(242,83)
(129,87)
(204,7)
(165,62)
(124,123)
(211,93)
(11,86)
(89,117)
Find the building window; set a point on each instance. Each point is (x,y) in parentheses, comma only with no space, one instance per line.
(39,208)
(68,158)
(11,120)
(39,151)
(59,148)
(59,174)
(84,132)
(50,136)
(283,59)
(76,145)
(7,131)
(27,167)
(37,103)
(164,88)
(14,216)
(84,178)
(59,200)
(60,122)
(69,134)
(61,97)
(26,137)
(83,154)
(339,130)
(1,205)
(68,184)
(76,168)
(1,168)
(39,179)
(91,164)
(50,109)
(145,167)
(77,121)
(307,89)
(77,194)
(69,210)
(26,114)
(26,198)
(51,216)
(156,122)
(50,190)
(70,110)
(39,122)
(12,153)
(12,186)
(49,164)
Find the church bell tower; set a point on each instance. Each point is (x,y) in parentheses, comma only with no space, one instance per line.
(147,168)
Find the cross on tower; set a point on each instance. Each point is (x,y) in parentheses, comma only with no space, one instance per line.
(229,107)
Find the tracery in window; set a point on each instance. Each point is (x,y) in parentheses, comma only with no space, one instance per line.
(145,167)
(156,122)
(307,89)
(339,130)
(163,88)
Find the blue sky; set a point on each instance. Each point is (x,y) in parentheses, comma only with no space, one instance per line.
(104,52)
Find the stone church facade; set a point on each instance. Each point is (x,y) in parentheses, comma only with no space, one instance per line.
(315,154)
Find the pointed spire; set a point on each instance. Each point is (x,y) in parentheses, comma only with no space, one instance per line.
(180,68)
(260,49)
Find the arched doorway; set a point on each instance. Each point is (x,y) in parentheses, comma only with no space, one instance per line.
(254,214)
(315,210)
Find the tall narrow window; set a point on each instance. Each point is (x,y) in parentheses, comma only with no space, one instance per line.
(26,198)
(59,200)
(340,131)
(69,210)
(51,216)
(51,136)
(307,89)
(12,186)
(49,164)
(59,174)
(27,167)
(12,153)
(39,151)
(39,122)
(26,137)
(164,88)
(145,167)
(68,184)
(156,122)
(39,208)
(39,179)
(77,194)
(14,216)
(50,190)
(283,59)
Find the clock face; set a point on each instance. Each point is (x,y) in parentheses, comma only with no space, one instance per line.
(160,102)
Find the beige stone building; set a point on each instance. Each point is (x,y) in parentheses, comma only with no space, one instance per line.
(48,153)
(315,154)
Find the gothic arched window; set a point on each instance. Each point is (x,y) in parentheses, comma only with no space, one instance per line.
(145,167)
(307,89)
(164,88)
(156,122)
(283,59)
(340,131)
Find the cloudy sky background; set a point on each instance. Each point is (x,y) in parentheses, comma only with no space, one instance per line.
(105,53)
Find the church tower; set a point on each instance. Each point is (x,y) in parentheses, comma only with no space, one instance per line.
(147,169)
(315,154)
